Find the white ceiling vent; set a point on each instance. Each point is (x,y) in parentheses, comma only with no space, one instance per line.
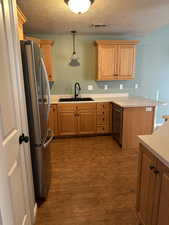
(99,25)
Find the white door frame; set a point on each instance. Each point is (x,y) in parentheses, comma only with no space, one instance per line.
(10,20)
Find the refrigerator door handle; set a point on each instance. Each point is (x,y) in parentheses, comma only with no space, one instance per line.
(47,82)
(49,140)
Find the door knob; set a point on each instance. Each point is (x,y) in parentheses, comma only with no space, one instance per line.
(152,167)
(23,138)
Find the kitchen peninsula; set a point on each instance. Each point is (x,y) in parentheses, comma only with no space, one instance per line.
(121,115)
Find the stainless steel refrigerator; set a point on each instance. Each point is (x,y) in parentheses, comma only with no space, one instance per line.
(37,93)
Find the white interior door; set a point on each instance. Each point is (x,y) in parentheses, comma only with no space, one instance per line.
(16,189)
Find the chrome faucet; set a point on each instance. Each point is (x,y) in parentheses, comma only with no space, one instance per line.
(77,91)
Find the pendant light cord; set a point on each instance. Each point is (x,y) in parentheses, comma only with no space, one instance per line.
(74,51)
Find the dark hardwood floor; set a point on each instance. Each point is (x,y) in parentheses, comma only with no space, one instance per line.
(93,183)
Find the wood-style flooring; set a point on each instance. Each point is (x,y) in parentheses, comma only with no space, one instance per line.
(93,183)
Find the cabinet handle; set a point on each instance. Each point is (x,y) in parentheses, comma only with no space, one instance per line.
(152,167)
(156,171)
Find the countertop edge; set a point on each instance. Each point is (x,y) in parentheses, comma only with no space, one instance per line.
(111,101)
(153,151)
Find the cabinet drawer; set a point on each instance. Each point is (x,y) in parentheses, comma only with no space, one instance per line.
(86,106)
(103,118)
(102,107)
(102,129)
(67,107)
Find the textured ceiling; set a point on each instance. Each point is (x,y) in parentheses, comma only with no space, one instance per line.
(134,17)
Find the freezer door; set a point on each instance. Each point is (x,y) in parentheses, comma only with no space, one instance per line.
(43,92)
(42,166)
(46,99)
(33,92)
(36,88)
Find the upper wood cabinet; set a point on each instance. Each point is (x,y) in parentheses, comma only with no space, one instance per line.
(116,60)
(46,47)
(107,62)
(36,40)
(21,21)
(153,190)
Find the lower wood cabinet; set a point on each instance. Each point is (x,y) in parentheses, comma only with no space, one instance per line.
(153,190)
(53,120)
(67,122)
(81,118)
(104,118)
(76,119)
(136,121)
(86,118)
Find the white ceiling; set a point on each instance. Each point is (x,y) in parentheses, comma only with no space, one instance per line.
(134,17)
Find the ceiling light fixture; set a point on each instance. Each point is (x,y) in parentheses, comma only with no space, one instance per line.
(79,7)
(74,60)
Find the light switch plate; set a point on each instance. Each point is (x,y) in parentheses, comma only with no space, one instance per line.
(136,86)
(90,87)
(149,109)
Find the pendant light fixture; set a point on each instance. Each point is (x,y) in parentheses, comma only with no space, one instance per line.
(74,60)
(79,6)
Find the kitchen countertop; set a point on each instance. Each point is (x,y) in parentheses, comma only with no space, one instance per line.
(122,100)
(158,143)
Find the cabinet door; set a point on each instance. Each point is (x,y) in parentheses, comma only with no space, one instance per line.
(136,121)
(46,47)
(107,62)
(161,213)
(67,122)
(126,62)
(86,118)
(87,122)
(146,186)
(53,120)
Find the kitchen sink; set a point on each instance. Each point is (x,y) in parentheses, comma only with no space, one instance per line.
(75,99)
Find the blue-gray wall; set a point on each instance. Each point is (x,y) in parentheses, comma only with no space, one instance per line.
(152,66)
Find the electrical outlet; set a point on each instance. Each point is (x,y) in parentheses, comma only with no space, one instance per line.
(121,86)
(105,87)
(136,86)
(157,95)
(90,87)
